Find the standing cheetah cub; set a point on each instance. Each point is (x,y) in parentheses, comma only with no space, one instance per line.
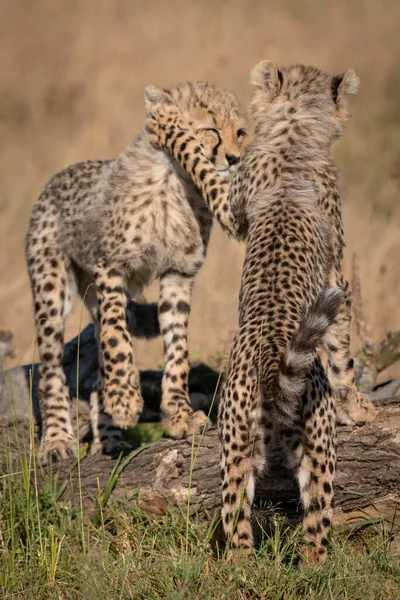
(284,199)
(119,225)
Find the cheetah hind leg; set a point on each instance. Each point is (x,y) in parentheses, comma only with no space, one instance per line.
(244,453)
(352,407)
(57,292)
(122,395)
(311,450)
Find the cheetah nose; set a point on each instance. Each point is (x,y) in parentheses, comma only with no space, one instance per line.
(232,159)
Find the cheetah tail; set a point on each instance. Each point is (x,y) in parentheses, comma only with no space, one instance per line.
(300,354)
(143,319)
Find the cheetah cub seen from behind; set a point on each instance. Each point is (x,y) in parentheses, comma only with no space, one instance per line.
(352,407)
(119,225)
(290,301)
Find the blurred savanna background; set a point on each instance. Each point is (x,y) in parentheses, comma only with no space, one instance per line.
(71,88)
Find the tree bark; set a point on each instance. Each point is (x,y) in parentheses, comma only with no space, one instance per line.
(167,472)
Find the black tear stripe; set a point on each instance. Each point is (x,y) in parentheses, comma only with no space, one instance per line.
(215,149)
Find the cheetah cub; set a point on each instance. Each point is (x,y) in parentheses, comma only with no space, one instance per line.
(352,407)
(293,300)
(105,229)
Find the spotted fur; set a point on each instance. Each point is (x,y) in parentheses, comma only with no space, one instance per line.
(105,229)
(293,297)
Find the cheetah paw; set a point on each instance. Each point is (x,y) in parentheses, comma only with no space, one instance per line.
(57,450)
(161,121)
(354,408)
(197,423)
(124,406)
(310,556)
(182,424)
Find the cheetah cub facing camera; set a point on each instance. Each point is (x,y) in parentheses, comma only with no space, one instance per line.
(293,298)
(119,225)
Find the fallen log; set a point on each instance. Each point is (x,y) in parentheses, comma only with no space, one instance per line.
(170,471)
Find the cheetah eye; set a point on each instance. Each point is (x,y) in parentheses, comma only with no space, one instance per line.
(241,133)
(212,130)
(208,133)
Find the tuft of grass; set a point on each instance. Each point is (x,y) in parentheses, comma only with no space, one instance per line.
(48,550)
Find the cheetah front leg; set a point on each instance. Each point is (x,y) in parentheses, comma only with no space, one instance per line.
(177,414)
(311,450)
(122,395)
(168,130)
(352,406)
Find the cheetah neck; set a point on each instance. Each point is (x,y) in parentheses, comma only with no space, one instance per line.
(141,152)
(304,142)
(294,166)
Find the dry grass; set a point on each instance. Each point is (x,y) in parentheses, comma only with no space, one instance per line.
(72,79)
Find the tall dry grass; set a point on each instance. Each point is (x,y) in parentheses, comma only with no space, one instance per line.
(72,79)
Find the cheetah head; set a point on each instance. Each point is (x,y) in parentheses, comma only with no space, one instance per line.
(306,97)
(214,116)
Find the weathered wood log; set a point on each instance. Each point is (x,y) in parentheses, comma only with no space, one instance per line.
(368,475)
(387,351)
(372,359)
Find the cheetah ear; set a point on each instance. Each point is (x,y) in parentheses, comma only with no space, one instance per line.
(153,94)
(266,76)
(349,83)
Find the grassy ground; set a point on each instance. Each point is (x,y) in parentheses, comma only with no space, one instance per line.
(49,550)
